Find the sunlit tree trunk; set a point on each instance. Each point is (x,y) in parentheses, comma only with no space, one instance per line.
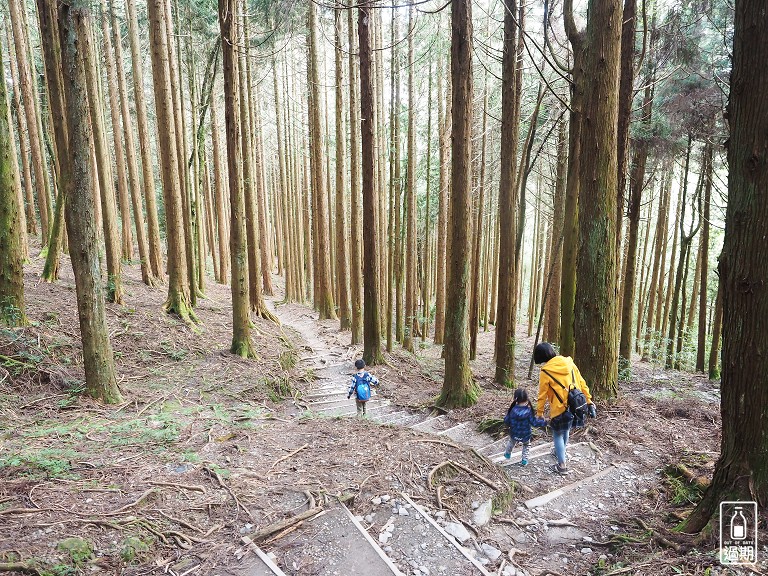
(221,212)
(552,327)
(98,360)
(393,227)
(704,283)
(356,214)
(717,330)
(477,240)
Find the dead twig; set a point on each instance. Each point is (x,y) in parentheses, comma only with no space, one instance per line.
(223,485)
(28,567)
(286,457)
(285,523)
(191,487)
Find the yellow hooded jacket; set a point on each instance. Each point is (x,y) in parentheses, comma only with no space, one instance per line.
(560,368)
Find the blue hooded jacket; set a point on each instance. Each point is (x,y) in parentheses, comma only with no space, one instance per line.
(520,419)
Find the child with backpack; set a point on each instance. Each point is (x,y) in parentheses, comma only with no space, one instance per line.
(520,418)
(562,386)
(361,385)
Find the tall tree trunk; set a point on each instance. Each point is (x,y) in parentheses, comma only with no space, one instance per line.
(552,331)
(142,124)
(393,227)
(342,259)
(410,212)
(685,240)
(324,298)
(571,227)
(221,212)
(459,388)
(356,242)
(241,324)
(12,311)
(694,292)
(98,360)
(626,81)
(178,300)
(704,283)
(130,149)
(114,109)
(372,324)
(52,58)
(29,204)
(506,315)
(32,113)
(717,328)
(477,239)
(655,294)
(636,183)
(596,294)
(741,472)
(444,138)
(427,253)
(108,208)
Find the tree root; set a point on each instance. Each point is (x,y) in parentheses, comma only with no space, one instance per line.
(28,567)
(281,525)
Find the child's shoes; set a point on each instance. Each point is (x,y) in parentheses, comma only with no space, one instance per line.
(507,455)
(524,463)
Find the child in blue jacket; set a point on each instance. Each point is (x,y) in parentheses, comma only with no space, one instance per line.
(520,417)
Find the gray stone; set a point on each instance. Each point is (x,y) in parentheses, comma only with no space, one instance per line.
(440,514)
(483,514)
(376,501)
(385,497)
(384,536)
(458,531)
(509,571)
(247,529)
(403,511)
(586,550)
(475,505)
(369,518)
(424,570)
(490,552)
(558,535)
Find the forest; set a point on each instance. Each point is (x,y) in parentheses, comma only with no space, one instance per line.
(211,209)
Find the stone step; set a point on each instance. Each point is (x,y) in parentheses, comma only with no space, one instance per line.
(401,418)
(348,409)
(466,434)
(262,565)
(433,425)
(493,447)
(535,452)
(417,544)
(332,543)
(545,499)
(342,402)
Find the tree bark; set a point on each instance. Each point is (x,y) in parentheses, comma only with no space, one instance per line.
(704,282)
(506,314)
(356,242)
(444,138)
(717,328)
(178,300)
(459,388)
(241,325)
(741,472)
(596,292)
(32,113)
(104,164)
(12,310)
(324,297)
(372,324)
(114,109)
(410,212)
(97,352)
(148,182)
(221,212)
(552,330)
(342,259)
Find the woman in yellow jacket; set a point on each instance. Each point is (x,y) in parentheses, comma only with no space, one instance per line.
(558,375)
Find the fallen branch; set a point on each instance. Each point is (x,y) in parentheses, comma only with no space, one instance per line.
(190,487)
(477,475)
(238,504)
(286,457)
(23,510)
(181,522)
(285,523)
(23,567)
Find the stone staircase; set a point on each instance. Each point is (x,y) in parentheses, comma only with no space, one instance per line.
(402,538)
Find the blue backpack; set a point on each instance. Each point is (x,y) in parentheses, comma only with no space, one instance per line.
(362,388)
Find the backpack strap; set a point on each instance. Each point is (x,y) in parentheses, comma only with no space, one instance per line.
(561,385)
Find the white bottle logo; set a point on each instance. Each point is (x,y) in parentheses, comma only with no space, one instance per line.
(738,525)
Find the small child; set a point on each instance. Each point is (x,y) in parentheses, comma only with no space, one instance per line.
(361,385)
(520,418)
